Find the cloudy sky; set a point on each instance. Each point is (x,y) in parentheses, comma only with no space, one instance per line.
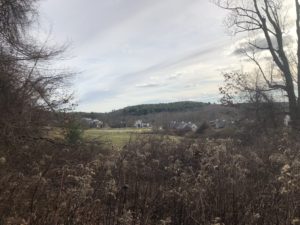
(132,52)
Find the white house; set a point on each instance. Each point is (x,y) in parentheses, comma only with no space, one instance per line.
(193,127)
(141,124)
(183,126)
(92,123)
(97,124)
(218,124)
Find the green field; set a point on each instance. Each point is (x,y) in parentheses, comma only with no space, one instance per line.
(113,137)
(110,137)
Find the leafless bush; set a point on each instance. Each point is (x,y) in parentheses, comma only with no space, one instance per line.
(153,181)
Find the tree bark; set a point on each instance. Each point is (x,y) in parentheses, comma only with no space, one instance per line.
(298,55)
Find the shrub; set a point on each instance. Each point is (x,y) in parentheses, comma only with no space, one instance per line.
(202,128)
(73,133)
(153,180)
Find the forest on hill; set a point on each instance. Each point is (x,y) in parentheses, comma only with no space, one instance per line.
(145,109)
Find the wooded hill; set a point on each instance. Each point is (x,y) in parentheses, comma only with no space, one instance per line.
(162,107)
(162,114)
(145,109)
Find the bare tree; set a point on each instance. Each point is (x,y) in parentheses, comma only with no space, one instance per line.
(273,34)
(29,87)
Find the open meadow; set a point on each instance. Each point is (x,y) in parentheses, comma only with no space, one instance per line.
(114,137)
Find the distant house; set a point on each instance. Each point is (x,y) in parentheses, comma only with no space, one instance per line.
(97,124)
(193,127)
(92,123)
(183,126)
(141,124)
(218,124)
(138,124)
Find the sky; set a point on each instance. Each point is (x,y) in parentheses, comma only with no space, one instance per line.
(129,52)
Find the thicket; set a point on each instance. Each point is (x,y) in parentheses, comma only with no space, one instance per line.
(153,181)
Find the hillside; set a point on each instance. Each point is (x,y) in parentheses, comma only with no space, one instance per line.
(163,114)
(145,109)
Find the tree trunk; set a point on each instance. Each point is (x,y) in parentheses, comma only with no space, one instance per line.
(298,50)
(293,104)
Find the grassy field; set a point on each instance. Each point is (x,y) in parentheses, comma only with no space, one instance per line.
(113,137)
(116,137)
